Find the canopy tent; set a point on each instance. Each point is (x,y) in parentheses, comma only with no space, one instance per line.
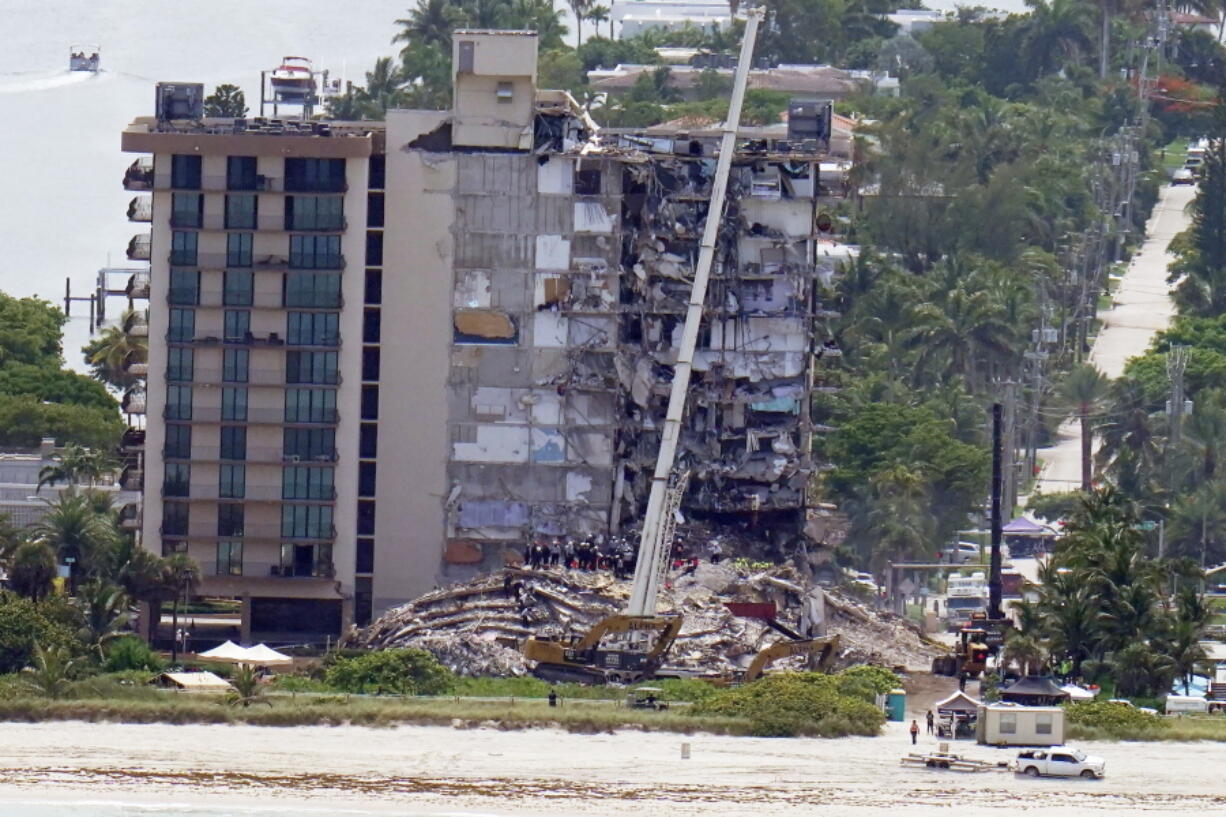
(1026,527)
(266,656)
(1076,693)
(260,655)
(228,651)
(1034,691)
(958,704)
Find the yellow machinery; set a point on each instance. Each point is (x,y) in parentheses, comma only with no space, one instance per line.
(620,649)
(970,656)
(822,652)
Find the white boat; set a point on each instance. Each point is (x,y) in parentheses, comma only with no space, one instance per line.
(293,79)
(84,58)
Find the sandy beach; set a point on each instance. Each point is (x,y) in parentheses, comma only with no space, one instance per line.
(438,770)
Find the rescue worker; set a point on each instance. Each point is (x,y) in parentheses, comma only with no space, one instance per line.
(914,732)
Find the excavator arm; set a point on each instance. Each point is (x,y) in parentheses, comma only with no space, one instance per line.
(821,650)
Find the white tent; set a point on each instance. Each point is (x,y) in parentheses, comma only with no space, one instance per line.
(266,656)
(228,651)
(1076,693)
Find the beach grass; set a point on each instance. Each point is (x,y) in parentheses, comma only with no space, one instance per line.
(1181,728)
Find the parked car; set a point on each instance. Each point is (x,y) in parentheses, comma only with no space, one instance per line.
(1059,761)
(960,553)
(1183,175)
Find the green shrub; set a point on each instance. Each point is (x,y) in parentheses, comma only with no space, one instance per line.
(131,653)
(24,623)
(1114,720)
(299,683)
(401,672)
(867,682)
(789,704)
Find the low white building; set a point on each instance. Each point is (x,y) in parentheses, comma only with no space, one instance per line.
(633,17)
(1015,725)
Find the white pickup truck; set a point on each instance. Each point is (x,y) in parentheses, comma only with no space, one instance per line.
(1059,761)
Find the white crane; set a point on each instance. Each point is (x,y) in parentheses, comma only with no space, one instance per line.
(653,546)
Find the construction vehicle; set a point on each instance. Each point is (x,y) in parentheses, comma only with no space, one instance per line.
(821,652)
(620,649)
(970,656)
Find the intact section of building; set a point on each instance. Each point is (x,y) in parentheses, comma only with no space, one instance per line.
(387,355)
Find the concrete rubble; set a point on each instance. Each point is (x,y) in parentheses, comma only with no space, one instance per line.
(472,627)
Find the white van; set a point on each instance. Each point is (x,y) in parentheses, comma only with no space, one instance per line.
(1184,704)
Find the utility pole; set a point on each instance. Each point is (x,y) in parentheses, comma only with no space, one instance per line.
(1176,364)
(995,587)
(1008,466)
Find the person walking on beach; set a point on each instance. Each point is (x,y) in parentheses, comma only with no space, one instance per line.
(914,732)
(931,720)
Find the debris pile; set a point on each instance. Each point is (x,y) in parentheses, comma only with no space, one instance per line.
(474,628)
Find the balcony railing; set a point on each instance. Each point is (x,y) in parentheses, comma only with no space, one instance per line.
(134,402)
(138,285)
(276,533)
(133,440)
(132,479)
(253,454)
(247,493)
(140,209)
(251,377)
(316,261)
(219,184)
(139,247)
(317,569)
(267,223)
(255,416)
(219,297)
(139,175)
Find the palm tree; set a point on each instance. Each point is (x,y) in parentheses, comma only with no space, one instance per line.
(430,22)
(181,575)
(1083,392)
(247,689)
(1056,34)
(112,351)
(75,464)
(77,534)
(580,9)
(32,571)
(1130,445)
(105,614)
(1183,646)
(598,14)
(226,100)
(964,337)
(52,672)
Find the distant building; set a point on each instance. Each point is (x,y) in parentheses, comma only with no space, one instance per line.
(916,21)
(634,17)
(819,81)
(23,501)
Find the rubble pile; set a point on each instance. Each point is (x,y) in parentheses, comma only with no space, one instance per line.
(474,628)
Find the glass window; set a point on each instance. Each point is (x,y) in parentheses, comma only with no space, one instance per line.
(370,402)
(371,325)
(233,442)
(300,482)
(238,249)
(315,175)
(233,403)
(186,209)
(230,558)
(313,290)
(185,172)
(314,213)
(374,209)
(310,405)
(235,365)
(178,402)
(313,329)
(178,479)
(370,363)
(378,172)
(319,368)
(183,248)
(366,517)
(1008,723)
(306,521)
(366,479)
(368,442)
(241,211)
(310,444)
(229,519)
(174,518)
(1042,723)
(179,363)
(363,600)
(365,562)
(232,481)
(374,248)
(182,325)
(237,325)
(178,442)
(315,251)
(374,286)
(240,173)
(184,287)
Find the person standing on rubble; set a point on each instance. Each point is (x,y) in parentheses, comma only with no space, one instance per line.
(568,553)
(717,551)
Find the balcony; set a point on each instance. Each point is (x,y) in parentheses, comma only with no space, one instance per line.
(219,297)
(136,324)
(220,184)
(129,516)
(135,364)
(140,209)
(132,478)
(251,377)
(133,401)
(253,454)
(139,175)
(315,261)
(261,222)
(313,569)
(250,493)
(254,416)
(132,441)
(273,533)
(138,285)
(139,247)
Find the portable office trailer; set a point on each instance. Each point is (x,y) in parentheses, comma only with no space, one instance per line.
(1004,725)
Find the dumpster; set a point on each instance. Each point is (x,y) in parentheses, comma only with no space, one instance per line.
(896,705)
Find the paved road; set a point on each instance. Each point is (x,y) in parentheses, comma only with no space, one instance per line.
(1142,308)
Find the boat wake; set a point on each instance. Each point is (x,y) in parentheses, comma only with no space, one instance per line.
(26,82)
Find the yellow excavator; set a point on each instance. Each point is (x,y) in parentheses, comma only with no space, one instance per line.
(619,649)
(821,652)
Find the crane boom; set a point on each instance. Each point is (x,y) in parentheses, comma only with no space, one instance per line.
(646,587)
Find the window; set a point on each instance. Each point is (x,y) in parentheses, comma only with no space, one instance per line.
(184,287)
(370,402)
(232,481)
(1008,723)
(178,402)
(229,519)
(378,172)
(374,248)
(371,319)
(368,440)
(233,442)
(310,405)
(587,182)
(183,248)
(240,173)
(237,325)
(230,558)
(504,92)
(315,251)
(174,518)
(238,249)
(306,521)
(182,325)
(179,363)
(313,290)
(313,329)
(366,517)
(178,442)
(185,172)
(370,363)
(319,368)
(301,482)
(178,479)
(235,365)
(366,479)
(171,548)
(374,209)
(241,211)
(186,209)
(374,286)
(233,404)
(1042,723)
(310,444)
(314,175)
(314,213)
(365,562)
(363,600)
